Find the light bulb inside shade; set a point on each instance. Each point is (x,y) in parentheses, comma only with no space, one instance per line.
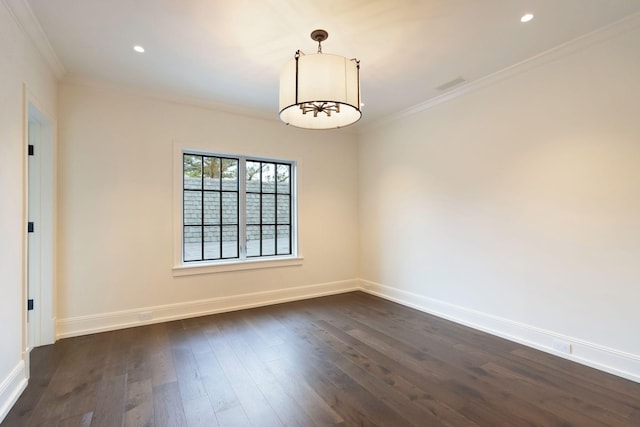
(138,49)
(526,17)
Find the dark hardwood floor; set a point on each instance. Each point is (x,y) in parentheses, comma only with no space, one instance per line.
(347,360)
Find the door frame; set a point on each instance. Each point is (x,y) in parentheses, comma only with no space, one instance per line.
(35,114)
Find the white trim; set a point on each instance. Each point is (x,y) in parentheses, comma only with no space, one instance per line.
(176,178)
(11,388)
(209,268)
(166,95)
(25,19)
(84,325)
(600,35)
(606,359)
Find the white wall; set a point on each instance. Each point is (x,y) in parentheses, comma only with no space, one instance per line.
(116,216)
(20,64)
(516,207)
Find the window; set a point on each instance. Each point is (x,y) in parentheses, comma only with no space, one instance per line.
(236,208)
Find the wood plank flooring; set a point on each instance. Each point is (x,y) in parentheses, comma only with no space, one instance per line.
(343,360)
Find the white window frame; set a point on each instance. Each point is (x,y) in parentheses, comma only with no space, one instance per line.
(184,268)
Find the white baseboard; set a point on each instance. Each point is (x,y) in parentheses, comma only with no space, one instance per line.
(596,356)
(84,325)
(11,388)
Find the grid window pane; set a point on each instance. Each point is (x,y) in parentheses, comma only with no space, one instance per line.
(284,209)
(268,178)
(229,241)
(268,209)
(252,215)
(192,171)
(212,242)
(192,207)
(253,240)
(211,207)
(269,240)
(211,172)
(229,208)
(284,240)
(283,179)
(252,176)
(230,174)
(192,243)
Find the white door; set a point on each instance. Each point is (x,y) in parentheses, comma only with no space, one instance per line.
(40,326)
(33,236)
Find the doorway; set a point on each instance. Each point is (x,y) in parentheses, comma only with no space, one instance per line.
(40,277)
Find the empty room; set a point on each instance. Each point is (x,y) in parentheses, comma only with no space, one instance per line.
(320,213)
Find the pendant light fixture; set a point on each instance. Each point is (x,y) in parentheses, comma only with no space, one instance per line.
(320,91)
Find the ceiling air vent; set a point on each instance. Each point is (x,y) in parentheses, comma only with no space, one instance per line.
(452,83)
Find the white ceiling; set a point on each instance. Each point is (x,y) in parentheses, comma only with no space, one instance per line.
(229,53)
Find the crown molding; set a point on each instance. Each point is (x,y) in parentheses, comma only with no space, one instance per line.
(600,35)
(25,19)
(71,79)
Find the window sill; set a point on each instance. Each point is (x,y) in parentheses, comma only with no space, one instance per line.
(209,268)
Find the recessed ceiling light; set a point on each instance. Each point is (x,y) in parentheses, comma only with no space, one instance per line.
(138,49)
(526,17)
